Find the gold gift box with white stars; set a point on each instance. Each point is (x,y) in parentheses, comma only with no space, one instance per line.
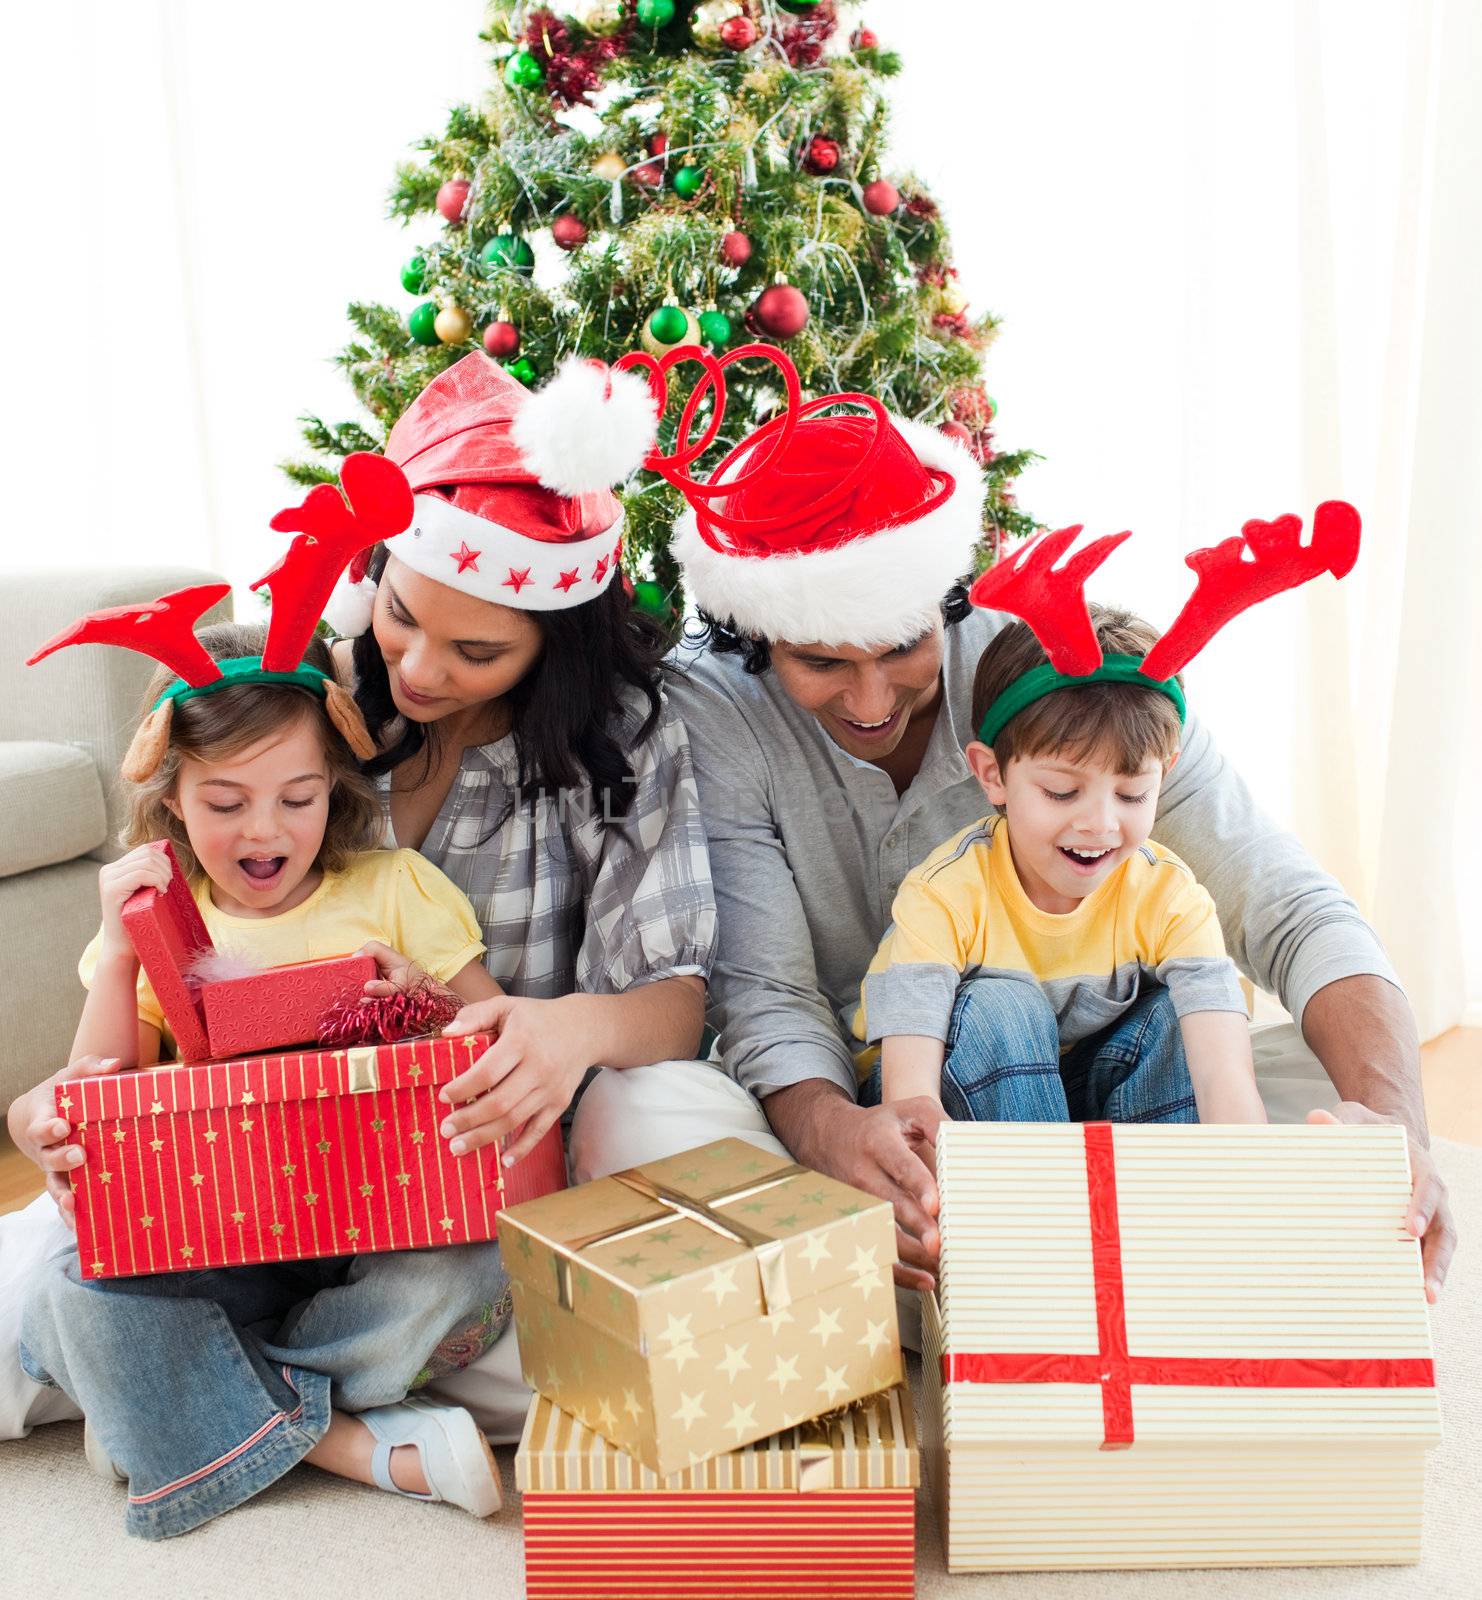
(686,1307)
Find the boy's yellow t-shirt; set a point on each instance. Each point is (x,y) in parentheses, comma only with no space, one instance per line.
(395,896)
(964,914)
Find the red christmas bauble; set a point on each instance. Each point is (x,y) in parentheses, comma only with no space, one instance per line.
(864,39)
(569,232)
(452,198)
(650,175)
(501,340)
(735,249)
(738,33)
(955,430)
(822,154)
(880,198)
(658,143)
(780,311)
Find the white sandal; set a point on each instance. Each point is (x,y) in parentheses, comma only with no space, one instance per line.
(456,1459)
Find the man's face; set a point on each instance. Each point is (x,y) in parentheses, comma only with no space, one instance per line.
(864,698)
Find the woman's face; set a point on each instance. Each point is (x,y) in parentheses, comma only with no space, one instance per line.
(447,652)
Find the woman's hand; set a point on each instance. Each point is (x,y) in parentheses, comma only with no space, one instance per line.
(41,1135)
(525,1079)
(142,868)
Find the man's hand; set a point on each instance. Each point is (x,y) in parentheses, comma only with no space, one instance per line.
(1430,1210)
(889,1151)
(41,1135)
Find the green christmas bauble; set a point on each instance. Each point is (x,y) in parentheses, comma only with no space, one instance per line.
(414,275)
(688,181)
(715,329)
(422,324)
(649,596)
(655,13)
(523,71)
(668,325)
(797,5)
(523,369)
(508,250)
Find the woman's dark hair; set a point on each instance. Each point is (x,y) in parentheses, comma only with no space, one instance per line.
(756,654)
(568,713)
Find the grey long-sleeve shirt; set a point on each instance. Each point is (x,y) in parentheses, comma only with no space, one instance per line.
(808,846)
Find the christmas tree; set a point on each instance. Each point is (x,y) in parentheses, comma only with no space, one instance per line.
(646,173)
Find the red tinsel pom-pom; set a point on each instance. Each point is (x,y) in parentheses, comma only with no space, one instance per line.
(803,37)
(364,1019)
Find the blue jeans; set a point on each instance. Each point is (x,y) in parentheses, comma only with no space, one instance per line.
(205,1387)
(1004,1062)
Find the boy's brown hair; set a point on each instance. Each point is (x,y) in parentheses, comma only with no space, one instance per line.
(1119,723)
(216,727)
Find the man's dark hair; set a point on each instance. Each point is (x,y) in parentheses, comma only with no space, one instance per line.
(756,654)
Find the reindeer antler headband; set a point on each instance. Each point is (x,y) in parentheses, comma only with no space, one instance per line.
(334,525)
(1265,560)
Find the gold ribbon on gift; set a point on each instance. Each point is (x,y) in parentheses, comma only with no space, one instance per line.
(767,1251)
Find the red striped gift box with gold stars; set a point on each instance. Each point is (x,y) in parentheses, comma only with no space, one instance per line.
(285,1157)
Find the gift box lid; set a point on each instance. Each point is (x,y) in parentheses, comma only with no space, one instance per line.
(1112,1283)
(870,1445)
(679,1248)
(169,937)
(269,1079)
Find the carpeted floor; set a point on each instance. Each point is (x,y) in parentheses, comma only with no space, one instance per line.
(311,1534)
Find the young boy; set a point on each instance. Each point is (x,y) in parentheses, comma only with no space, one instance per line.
(1051,962)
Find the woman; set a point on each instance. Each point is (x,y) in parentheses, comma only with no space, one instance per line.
(526,750)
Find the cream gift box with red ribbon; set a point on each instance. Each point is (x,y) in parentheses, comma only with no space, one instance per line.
(1176,1347)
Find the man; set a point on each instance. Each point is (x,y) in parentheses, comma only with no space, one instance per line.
(827,710)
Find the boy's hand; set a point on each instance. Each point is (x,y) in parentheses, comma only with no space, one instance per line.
(41,1135)
(142,868)
(396,971)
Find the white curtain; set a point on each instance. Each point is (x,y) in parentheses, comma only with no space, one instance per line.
(1236,248)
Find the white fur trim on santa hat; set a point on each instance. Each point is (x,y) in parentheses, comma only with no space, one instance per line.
(478,557)
(879,589)
(349,607)
(588,428)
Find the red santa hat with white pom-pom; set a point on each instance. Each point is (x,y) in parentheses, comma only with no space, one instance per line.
(512,491)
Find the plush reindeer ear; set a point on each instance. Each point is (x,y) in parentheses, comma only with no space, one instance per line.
(147,748)
(345,714)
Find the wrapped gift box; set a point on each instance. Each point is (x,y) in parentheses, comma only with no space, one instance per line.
(825,1509)
(686,1307)
(216,1018)
(1176,1347)
(283,1157)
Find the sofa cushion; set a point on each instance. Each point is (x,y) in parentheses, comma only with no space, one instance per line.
(52,805)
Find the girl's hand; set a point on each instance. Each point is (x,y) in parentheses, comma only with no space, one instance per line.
(525,1079)
(41,1135)
(142,868)
(396,972)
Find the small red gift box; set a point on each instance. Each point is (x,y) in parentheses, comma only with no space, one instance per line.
(228,1016)
(283,1158)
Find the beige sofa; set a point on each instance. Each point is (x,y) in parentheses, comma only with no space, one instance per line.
(64,726)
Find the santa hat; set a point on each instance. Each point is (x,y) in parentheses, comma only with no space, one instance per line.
(831,529)
(512,490)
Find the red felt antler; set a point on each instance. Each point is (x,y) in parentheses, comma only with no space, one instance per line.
(332,527)
(164,630)
(1050,599)
(1267,559)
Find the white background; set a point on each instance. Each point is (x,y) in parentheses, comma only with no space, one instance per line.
(1201,224)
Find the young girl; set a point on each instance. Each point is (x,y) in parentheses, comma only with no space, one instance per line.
(204,1387)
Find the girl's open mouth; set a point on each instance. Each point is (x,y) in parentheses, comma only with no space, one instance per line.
(1085,861)
(262,869)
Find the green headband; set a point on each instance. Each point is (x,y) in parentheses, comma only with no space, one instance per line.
(245,669)
(1043,680)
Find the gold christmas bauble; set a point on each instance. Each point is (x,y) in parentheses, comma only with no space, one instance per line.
(601,17)
(707,19)
(691,335)
(952,300)
(609,166)
(453,325)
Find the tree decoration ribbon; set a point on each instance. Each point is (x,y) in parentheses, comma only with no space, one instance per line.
(1265,559)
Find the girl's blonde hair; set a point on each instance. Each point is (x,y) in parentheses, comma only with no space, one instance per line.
(217,727)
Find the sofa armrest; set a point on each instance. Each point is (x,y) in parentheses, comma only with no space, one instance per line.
(90,697)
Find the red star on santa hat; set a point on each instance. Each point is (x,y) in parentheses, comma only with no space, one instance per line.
(599,572)
(516,580)
(568,580)
(617,551)
(466,558)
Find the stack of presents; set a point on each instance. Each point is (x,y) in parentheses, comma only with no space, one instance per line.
(1149,1346)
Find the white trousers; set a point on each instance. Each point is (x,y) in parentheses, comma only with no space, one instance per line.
(625,1118)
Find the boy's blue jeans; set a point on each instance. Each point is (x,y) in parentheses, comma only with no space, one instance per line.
(204,1387)
(1004,1063)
